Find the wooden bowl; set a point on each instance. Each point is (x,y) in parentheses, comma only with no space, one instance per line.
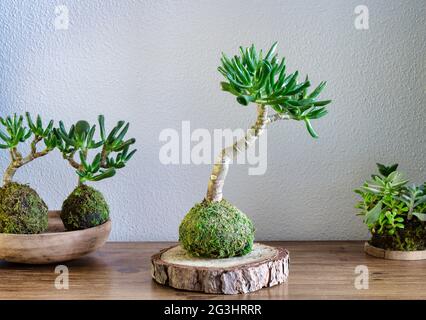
(53,246)
(393,254)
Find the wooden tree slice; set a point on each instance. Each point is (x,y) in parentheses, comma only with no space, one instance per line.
(265,266)
(394,254)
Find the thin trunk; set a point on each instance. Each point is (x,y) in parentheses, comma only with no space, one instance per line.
(9,173)
(221,166)
(18,161)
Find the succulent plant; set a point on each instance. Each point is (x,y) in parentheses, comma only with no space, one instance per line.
(394,212)
(22,211)
(86,207)
(113,151)
(17,132)
(263,80)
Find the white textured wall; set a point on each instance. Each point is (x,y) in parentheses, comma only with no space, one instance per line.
(154,63)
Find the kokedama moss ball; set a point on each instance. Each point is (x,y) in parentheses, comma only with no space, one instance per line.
(216,230)
(22,211)
(84,208)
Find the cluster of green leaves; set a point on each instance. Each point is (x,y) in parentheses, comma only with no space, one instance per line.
(253,77)
(113,148)
(17,131)
(388,203)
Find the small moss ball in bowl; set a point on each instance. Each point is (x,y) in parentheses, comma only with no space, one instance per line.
(22,211)
(216,230)
(84,208)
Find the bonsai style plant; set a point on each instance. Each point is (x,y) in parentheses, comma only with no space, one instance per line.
(86,207)
(394,212)
(22,211)
(215,228)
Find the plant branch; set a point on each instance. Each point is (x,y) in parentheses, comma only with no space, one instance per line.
(17,160)
(104,157)
(221,166)
(72,162)
(16,154)
(278,116)
(36,140)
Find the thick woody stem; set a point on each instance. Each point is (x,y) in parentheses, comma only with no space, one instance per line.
(221,166)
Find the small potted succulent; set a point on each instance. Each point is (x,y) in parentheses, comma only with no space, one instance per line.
(22,211)
(86,207)
(395,214)
(215,228)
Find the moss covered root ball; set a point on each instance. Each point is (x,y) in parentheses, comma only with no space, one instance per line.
(216,230)
(22,211)
(84,208)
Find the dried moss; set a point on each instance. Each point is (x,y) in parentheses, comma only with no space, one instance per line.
(216,230)
(22,211)
(84,208)
(411,238)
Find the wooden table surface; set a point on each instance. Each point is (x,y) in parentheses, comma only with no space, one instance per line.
(318,270)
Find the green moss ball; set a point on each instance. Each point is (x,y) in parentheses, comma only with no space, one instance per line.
(84,208)
(22,211)
(216,230)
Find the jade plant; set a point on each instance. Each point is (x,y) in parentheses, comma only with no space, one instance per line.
(22,211)
(86,207)
(215,228)
(394,212)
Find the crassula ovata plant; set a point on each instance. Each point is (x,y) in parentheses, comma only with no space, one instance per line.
(215,228)
(21,208)
(86,207)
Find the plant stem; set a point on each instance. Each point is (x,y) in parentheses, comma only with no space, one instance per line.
(18,161)
(9,173)
(72,162)
(104,157)
(221,166)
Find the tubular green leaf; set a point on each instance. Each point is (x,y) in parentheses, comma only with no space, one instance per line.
(101,120)
(317,90)
(310,129)
(321,103)
(39,123)
(271,51)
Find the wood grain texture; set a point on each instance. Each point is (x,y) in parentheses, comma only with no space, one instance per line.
(56,245)
(318,270)
(265,266)
(393,254)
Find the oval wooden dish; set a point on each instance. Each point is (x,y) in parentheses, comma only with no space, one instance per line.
(394,255)
(53,246)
